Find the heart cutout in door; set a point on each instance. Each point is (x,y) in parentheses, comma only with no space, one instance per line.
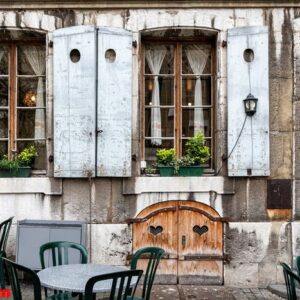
(155,230)
(200,230)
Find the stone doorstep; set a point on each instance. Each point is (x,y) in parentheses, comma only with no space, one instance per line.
(280,290)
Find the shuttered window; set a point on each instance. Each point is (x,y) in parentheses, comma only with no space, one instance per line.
(248,137)
(92,102)
(178,92)
(22,97)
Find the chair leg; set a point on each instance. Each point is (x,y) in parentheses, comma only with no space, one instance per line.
(6,274)
(3,272)
(2,279)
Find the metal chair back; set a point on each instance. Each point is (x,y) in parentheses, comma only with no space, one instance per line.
(15,282)
(59,255)
(4,232)
(153,254)
(120,282)
(59,252)
(290,277)
(298,265)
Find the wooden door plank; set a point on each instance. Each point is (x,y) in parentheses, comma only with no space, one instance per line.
(199,235)
(200,259)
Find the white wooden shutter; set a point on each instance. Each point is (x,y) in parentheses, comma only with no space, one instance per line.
(74,102)
(250,156)
(114,102)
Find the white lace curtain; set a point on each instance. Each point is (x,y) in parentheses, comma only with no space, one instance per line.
(197,57)
(36,58)
(155,57)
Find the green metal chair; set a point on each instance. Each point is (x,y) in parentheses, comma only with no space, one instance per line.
(298,265)
(290,277)
(121,286)
(59,255)
(59,251)
(34,279)
(4,232)
(153,254)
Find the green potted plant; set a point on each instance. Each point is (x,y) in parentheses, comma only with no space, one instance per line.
(166,159)
(8,167)
(197,153)
(19,165)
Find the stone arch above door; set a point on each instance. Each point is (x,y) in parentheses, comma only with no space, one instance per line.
(191,233)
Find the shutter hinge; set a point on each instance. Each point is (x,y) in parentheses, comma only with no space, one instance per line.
(224,44)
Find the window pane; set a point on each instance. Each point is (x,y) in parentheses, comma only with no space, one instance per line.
(159,59)
(166,90)
(31,92)
(31,124)
(191,91)
(40,161)
(3,123)
(25,121)
(3,60)
(196,59)
(3,148)
(31,60)
(3,91)
(193,120)
(159,118)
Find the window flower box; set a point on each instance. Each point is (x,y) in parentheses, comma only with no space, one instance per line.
(190,171)
(166,171)
(20,172)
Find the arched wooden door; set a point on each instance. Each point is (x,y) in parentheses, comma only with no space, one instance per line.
(191,233)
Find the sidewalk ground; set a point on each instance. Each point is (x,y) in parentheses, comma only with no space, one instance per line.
(193,292)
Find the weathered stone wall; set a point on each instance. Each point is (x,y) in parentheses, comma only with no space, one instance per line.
(256,249)
(296,90)
(254,243)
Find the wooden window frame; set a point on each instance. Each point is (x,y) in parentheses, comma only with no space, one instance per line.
(13,107)
(178,43)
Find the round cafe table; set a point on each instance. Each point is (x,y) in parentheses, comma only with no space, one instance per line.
(74,277)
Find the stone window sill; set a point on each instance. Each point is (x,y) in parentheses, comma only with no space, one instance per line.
(157,184)
(31,185)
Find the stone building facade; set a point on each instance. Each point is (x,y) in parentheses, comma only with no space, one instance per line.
(262,211)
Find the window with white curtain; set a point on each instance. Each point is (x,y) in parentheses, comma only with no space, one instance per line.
(178,90)
(22,97)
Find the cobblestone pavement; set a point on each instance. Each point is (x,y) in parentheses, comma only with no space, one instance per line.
(193,292)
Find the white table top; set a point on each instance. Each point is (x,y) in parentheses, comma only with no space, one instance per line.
(73,277)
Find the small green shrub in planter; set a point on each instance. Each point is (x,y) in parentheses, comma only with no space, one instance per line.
(166,159)
(27,156)
(197,154)
(197,151)
(8,167)
(20,165)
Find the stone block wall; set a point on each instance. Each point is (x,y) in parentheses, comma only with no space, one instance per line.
(255,251)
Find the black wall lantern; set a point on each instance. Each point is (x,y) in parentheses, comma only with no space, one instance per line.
(250,104)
